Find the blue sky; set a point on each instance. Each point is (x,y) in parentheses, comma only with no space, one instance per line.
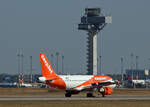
(52,25)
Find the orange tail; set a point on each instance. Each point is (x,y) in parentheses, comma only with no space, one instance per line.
(47,70)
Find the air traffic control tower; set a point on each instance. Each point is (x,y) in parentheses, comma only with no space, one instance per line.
(93,22)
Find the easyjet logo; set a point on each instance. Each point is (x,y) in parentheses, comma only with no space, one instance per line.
(46,63)
(100,78)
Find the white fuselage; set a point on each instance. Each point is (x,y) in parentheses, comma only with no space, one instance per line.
(75,80)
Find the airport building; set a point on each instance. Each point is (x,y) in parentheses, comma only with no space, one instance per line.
(137,74)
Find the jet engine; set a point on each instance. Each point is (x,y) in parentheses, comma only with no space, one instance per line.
(105,91)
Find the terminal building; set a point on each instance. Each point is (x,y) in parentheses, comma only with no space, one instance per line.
(137,74)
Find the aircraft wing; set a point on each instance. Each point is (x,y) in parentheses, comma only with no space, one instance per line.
(96,85)
(102,84)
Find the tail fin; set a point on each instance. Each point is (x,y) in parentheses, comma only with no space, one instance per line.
(47,70)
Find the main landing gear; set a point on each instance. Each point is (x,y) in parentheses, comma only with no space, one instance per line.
(103,95)
(89,95)
(68,95)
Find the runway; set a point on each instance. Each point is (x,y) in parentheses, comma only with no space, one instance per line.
(76,98)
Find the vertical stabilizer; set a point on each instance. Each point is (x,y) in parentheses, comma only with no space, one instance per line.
(47,70)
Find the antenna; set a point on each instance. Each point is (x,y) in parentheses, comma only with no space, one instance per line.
(31,73)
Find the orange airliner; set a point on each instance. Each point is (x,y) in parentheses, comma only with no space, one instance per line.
(73,84)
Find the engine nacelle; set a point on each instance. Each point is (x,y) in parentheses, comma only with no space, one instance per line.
(106,90)
(42,79)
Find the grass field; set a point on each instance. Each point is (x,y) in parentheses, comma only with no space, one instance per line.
(54,92)
(75,104)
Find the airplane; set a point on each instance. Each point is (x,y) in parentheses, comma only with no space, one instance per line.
(74,84)
(138,82)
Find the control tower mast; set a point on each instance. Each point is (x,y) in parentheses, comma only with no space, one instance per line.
(93,22)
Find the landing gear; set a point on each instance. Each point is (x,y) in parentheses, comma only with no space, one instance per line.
(103,95)
(68,95)
(89,95)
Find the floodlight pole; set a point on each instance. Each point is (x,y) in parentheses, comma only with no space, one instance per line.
(31,73)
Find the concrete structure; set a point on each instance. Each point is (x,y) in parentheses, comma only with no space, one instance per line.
(93,22)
